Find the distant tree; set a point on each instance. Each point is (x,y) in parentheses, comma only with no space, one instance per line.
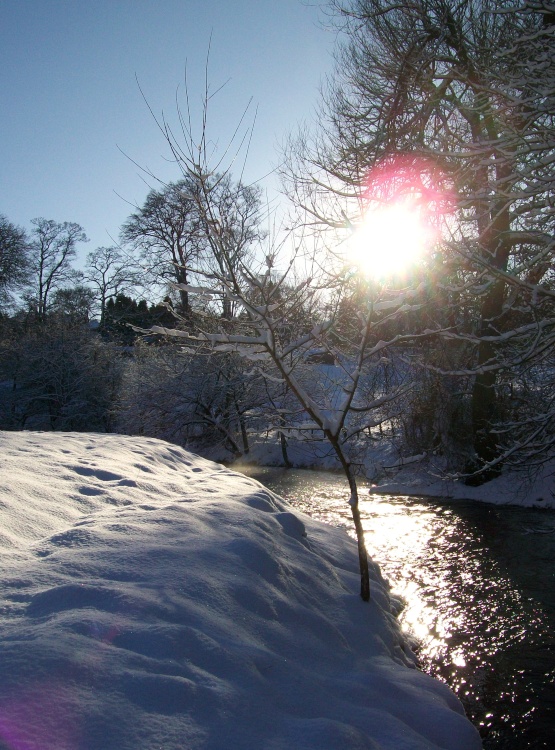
(52,248)
(73,303)
(110,272)
(166,231)
(124,315)
(14,259)
(175,238)
(229,214)
(121,313)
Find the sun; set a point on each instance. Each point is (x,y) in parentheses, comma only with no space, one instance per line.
(391,238)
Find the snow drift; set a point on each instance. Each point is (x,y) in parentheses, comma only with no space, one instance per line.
(153,599)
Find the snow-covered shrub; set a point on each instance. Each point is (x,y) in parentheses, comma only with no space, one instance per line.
(57,377)
(205,401)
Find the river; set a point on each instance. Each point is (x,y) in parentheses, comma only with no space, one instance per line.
(479,585)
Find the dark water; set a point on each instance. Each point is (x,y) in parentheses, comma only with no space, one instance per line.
(479,586)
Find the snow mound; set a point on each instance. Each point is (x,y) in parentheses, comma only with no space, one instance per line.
(152,599)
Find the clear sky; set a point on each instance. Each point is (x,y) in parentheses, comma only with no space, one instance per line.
(70,99)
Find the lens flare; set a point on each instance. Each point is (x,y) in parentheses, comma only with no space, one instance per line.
(404,201)
(391,239)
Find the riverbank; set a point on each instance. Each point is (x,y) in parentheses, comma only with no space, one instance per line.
(418,476)
(511,488)
(152,598)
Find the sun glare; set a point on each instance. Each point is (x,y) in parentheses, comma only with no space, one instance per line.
(390,239)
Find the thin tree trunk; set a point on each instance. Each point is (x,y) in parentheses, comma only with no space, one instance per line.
(284,455)
(362,553)
(243,427)
(355,512)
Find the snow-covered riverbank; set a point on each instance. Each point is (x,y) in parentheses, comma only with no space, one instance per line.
(534,490)
(419,476)
(153,599)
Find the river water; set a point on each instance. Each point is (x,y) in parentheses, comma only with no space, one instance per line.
(479,585)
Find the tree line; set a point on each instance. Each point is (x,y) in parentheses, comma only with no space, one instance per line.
(66,335)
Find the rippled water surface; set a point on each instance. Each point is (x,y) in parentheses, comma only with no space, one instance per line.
(479,586)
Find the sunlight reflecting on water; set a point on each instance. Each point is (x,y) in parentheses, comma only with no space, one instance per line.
(478,584)
(463,610)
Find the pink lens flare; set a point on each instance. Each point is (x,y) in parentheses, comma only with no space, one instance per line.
(39,718)
(416,179)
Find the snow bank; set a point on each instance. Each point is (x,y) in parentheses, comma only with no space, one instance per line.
(529,490)
(153,599)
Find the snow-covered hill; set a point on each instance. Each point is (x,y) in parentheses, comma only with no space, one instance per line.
(151,599)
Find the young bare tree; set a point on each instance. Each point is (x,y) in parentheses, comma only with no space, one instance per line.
(269,289)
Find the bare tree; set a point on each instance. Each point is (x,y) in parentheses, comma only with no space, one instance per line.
(14,260)
(174,237)
(110,272)
(52,248)
(230,212)
(166,231)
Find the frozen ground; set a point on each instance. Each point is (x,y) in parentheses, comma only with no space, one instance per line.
(152,599)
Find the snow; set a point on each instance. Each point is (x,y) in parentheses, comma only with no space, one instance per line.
(153,599)
(511,488)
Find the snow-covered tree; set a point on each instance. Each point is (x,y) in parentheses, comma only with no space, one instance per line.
(56,377)
(203,400)
(455,100)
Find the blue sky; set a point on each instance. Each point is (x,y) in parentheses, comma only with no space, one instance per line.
(70,100)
